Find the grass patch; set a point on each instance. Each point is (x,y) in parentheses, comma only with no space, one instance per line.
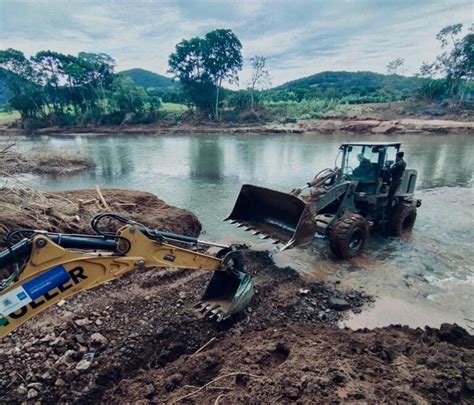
(174,107)
(6,117)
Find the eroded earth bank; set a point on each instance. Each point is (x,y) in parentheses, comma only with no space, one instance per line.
(137,339)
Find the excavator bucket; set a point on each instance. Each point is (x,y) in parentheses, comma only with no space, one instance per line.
(229,291)
(274,215)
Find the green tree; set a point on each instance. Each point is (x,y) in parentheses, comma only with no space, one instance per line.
(456,63)
(49,66)
(50,85)
(187,63)
(21,78)
(222,59)
(203,64)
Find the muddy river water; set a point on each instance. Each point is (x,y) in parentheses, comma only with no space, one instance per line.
(424,279)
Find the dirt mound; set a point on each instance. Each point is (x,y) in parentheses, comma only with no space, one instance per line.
(72,211)
(304,363)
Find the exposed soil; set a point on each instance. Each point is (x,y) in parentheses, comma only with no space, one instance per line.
(404,117)
(72,211)
(135,340)
(43,163)
(361,125)
(146,321)
(306,364)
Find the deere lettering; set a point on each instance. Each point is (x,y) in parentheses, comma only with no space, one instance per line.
(76,276)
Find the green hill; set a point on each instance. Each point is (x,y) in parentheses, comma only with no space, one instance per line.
(351,82)
(145,78)
(338,80)
(353,86)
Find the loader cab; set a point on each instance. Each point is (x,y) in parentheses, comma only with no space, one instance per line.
(368,163)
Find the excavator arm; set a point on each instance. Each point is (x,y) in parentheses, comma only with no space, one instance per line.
(58,266)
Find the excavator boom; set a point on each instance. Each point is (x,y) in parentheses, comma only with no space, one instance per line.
(51,267)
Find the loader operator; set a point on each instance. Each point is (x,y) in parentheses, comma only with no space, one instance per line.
(396,173)
(364,170)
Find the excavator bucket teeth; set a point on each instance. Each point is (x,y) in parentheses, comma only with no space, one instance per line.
(228,292)
(276,215)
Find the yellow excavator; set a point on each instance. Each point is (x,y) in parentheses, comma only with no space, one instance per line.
(39,268)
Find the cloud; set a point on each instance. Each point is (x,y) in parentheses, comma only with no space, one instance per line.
(299,38)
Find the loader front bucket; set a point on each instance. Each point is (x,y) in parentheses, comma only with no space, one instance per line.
(274,215)
(229,291)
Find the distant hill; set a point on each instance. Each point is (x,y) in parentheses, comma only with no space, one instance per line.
(365,86)
(349,81)
(338,80)
(145,78)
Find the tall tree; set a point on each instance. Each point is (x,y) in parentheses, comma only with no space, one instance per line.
(456,63)
(50,68)
(21,78)
(203,64)
(222,59)
(260,77)
(187,63)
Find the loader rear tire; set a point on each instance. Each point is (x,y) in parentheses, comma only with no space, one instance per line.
(402,219)
(348,235)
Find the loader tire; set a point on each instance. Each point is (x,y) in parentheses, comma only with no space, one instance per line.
(348,235)
(402,219)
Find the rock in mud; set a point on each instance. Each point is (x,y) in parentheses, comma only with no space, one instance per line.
(32,393)
(455,334)
(338,304)
(99,340)
(82,322)
(86,362)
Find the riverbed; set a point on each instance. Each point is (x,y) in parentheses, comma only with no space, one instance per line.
(426,278)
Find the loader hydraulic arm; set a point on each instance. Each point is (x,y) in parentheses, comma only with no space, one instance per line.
(58,266)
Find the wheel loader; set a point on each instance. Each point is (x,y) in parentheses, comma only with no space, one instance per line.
(43,268)
(341,204)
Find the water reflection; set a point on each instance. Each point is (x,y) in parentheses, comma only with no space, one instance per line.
(198,163)
(442,164)
(207,160)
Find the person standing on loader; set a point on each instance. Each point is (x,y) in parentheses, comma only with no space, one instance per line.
(396,173)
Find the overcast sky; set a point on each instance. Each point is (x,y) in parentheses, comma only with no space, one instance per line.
(298,37)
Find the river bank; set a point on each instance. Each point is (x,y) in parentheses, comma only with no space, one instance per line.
(347,125)
(43,163)
(137,338)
